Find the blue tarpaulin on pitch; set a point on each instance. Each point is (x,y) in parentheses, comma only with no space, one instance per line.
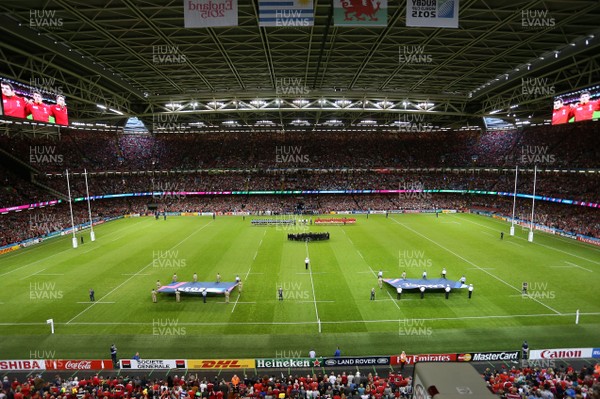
(212,288)
(429,284)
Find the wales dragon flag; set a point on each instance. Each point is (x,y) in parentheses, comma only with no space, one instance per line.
(284,13)
(360,12)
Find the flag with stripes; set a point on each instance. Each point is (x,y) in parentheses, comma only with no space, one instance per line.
(285,13)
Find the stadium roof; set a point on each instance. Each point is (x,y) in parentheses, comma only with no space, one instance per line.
(122,58)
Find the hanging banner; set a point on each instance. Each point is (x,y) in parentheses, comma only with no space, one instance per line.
(360,12)
(284,13)
(210,13)
(432,13)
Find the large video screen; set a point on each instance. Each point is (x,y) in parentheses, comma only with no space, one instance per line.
(581,105)
(26,102)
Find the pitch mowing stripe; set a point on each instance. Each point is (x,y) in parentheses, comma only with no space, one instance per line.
(48,243)
(282,323)
(371,269)
(136,274)
(471,263)
(542,245)
(58,253)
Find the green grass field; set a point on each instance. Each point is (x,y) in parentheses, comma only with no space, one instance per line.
(51,280)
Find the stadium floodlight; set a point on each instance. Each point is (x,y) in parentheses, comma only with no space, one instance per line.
(258,103)
(51,322)
(530,235)
(87,193)
(512,225)
(342,103)
(74,240)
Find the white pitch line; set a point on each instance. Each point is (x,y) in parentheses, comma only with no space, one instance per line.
(537,243)
(237,300)
(488,234)
(33,263)
(95,302)
(238,297)
(360,254)
(312,284)
(395,321)
(128,227)
(515,243)
(144,268)
(473,264)
(135,274)
(574,265)
(481,268)
(51,274)
(31,275)
(313,273)
(371,272)
(394,301)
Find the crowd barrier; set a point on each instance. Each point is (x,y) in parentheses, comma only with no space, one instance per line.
(300,362)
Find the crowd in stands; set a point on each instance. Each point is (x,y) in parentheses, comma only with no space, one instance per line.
(572,145)
(527,382)
(530,382)
(242,161)
(578,186)
(17,190)
(18,226)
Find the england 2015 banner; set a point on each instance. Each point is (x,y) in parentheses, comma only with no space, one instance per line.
(432,13)
(209,13)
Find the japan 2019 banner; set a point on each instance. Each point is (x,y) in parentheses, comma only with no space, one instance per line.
(432,13)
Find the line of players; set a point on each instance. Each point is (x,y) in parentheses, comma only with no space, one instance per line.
(463,280)
(154,292)
(582,111)
(22,107)
(239,282)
